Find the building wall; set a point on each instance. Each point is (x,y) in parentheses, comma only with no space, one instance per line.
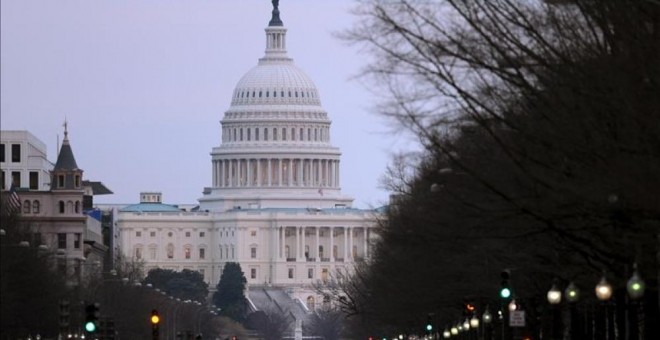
(31,160)
(283,240)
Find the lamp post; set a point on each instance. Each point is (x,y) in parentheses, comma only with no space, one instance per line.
(487,318)
(572,294)
(603,292)
(554,299)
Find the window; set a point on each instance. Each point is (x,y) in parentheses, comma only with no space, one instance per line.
(202,253)
(186,252)
(61,241)
(16,178)
(152,233)
(283,134)
(77,237)
(169,234)
(26,207)
(265,134)
(36,207)
(15,153)
(170,251)
(253,273)
(60,181)
(187,234)
(152,253)
(253,252)
(201,234)
(291,273)
(2,152)
(138,234)
(37,239)
(274,134)
(256,134)
(34,180)
(253,233)
(138,253)
(61,206)
(77,181)
(310,273)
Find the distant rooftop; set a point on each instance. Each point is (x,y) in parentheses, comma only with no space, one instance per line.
(150,207)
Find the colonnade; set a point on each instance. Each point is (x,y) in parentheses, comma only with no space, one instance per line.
(276,172)
(292,243)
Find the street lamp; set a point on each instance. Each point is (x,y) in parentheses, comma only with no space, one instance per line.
(446,334)
(603,290)
(554,295)
(454,330)
(466,325)
(487,317)
(572,292)
(635,285)
(474,322)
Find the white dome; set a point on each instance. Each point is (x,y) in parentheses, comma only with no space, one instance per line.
(275,81)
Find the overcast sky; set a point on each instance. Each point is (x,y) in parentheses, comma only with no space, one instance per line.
(144,84)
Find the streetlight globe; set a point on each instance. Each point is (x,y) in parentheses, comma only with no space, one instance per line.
(603,290)
(466,324)
(459,327)
(554,295)
(474,322)
(487,316)
(512,305)
(572,292)
(454,330)
(635,285)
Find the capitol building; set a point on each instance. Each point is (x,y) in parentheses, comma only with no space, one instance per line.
(275,203)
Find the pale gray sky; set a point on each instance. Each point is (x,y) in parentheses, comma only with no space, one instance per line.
(144,84)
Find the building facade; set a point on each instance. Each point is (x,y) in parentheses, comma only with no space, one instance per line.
(275,203)
(52,204)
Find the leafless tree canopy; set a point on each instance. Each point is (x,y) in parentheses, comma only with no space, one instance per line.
(540,122)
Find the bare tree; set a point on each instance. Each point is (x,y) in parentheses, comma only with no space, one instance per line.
(539,123)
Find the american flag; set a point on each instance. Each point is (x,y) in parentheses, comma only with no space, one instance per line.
(13,201)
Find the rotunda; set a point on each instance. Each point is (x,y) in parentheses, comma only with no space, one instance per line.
(275,148)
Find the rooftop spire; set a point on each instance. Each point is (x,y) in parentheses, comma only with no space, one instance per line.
(275,20)
(66,131)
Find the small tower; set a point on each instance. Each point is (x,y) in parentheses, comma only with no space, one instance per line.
(66,175)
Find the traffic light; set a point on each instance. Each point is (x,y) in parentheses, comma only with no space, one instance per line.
(64,316)
(155,321)
(469,309)
(429,324)
(92,318)
(505,290)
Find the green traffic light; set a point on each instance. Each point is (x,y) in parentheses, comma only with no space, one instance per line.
(90,327)
(505,293)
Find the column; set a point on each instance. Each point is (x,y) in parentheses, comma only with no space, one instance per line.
(297,243)
(270,172)
(282,241)
(318,173)
(350,243)
(302,248)
(316,250)
(300,172)
(332,244)
(279,172)
(259,172)
(346,231)
(337,179)
(289,171)
(248,179)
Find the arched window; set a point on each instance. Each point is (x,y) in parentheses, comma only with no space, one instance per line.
(61,207)
(283,133)
(138,252)
(266,134)
(36,207)
(300,136)
(187,252)
(26,207)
